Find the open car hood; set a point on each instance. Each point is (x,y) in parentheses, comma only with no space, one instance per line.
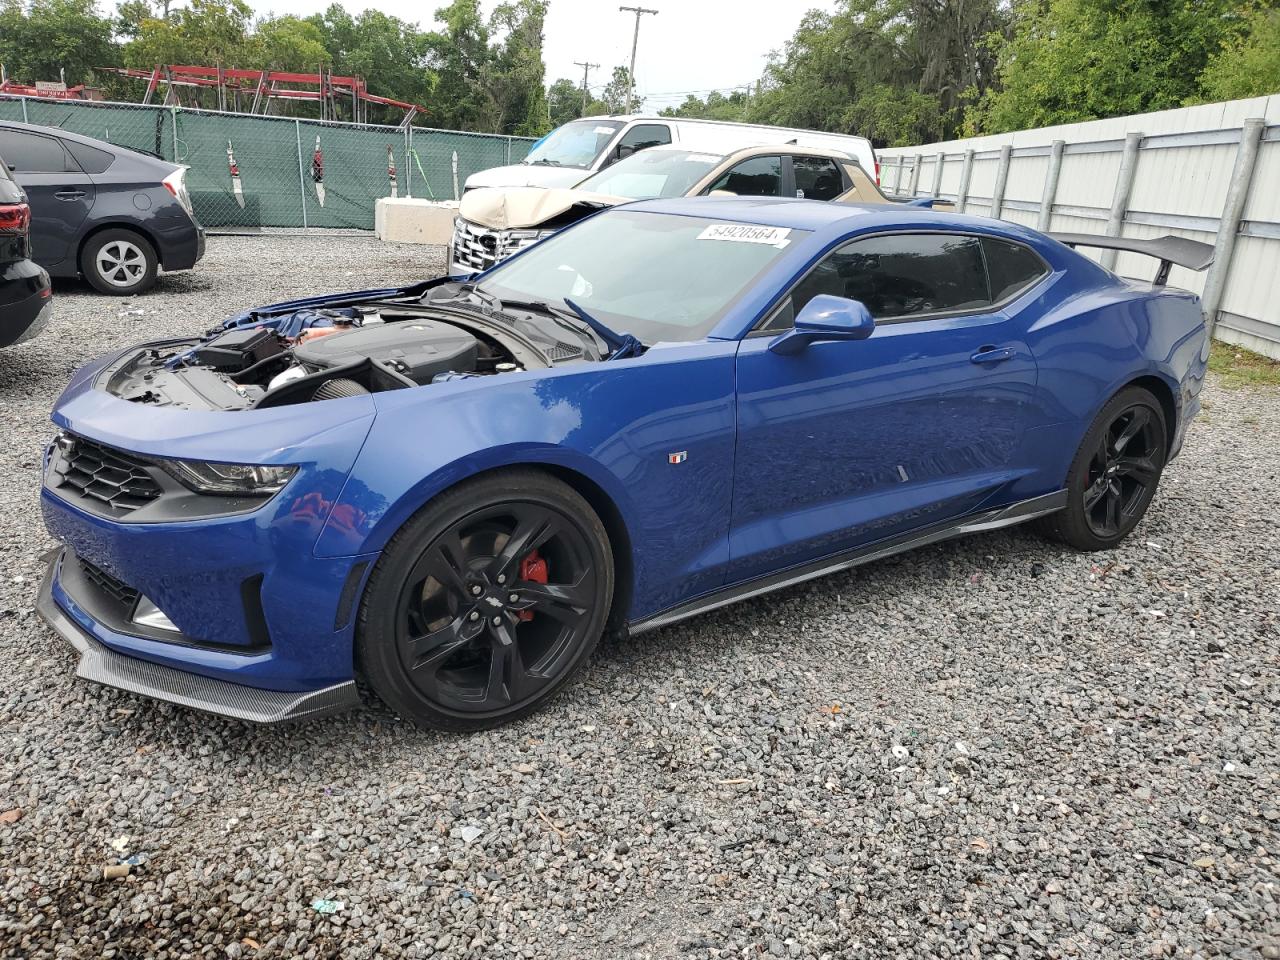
(501,208)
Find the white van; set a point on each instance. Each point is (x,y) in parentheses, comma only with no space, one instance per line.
(570,153)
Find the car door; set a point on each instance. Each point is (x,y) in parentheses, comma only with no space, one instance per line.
(59,192)
(816,178)
(640,137)
(850,442)
(753,177)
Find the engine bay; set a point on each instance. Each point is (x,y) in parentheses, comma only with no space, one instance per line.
(311,355)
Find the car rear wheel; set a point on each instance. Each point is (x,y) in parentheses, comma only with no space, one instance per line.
(119,262)
(486,602)
(1114,475)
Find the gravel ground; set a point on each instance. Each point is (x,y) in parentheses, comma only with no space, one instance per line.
(987,747)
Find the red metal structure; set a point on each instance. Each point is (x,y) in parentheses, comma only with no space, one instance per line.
(256,90)
(51,91)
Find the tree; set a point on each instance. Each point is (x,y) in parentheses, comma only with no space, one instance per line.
(288,43)
(896,71)
(490,72)
(517,70)
(717,106)
(130,16)
(1247,66)
(1078,60)
(617,90)
(390,54)
(206,32)
(564,102)
(38,40)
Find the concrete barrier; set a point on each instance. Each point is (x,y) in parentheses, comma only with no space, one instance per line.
(414,220)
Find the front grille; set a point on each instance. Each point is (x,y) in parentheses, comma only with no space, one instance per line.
(478,248)
(118,591)
(119,481)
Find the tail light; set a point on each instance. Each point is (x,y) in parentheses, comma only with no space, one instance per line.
(877,173)
(15,218)
(176,183)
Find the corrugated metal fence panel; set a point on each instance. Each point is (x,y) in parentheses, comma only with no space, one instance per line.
(1182,178)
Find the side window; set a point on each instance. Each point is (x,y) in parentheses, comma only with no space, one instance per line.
(1011,266)
(757,177)
(817,178)
(32,153)
(642,136)
(899,275)
(91,159)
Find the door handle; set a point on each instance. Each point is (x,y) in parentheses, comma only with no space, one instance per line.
(992,354)
(69,194)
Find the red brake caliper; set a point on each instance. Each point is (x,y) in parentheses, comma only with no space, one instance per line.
(533,569)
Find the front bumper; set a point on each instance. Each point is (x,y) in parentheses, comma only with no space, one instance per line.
(474,249)
(103,665)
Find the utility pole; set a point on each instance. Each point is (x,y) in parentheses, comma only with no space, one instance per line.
(635,39)
(586,68)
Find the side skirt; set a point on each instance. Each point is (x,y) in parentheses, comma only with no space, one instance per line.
(974,523)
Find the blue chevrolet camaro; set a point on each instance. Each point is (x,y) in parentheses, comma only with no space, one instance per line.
(451,490)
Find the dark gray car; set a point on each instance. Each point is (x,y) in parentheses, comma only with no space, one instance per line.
(104,212)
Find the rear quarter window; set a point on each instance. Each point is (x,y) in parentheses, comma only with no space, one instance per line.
(1011,267)
(91,159)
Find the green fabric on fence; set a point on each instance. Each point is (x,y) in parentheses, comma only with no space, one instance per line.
(275,159)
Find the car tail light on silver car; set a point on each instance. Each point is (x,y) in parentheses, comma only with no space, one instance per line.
(15,218)
(176,183)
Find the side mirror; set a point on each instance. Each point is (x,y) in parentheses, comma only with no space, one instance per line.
(625,150)
(825,318)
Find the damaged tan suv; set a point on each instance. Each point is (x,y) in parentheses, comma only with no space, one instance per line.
(496,222)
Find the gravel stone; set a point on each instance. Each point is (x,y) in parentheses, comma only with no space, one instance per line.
(990,746)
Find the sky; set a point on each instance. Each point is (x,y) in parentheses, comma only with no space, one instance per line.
(690,45)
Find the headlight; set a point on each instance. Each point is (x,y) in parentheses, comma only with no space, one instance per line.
(229,479)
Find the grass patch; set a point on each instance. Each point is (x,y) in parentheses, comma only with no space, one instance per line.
(1238,367)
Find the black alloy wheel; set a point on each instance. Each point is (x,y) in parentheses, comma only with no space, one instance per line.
(1122,473)
(501,590)
(1115,473)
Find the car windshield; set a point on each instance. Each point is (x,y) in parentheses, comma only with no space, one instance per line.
(658,277)
(652,173)
(575,144)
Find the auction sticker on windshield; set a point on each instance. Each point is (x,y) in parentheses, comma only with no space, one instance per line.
(747,233)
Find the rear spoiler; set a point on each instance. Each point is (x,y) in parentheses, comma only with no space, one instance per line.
(1191,254)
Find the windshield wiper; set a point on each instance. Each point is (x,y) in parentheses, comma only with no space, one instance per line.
(619,345)
(562,318)
(622,345)
(546,161)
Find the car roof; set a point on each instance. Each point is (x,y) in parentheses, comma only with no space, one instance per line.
(753,150)
(115,148)
(710,121)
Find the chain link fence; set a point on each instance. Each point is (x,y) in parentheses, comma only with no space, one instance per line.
(253,171)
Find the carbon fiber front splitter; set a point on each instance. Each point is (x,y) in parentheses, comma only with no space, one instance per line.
(102,665)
